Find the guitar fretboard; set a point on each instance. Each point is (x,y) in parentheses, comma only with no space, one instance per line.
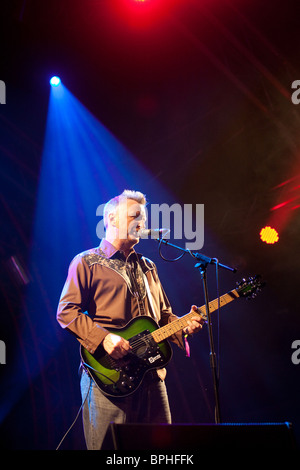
(177,325)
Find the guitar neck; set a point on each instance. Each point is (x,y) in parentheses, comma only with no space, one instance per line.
(177,325)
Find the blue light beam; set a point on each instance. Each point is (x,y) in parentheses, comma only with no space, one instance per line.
(83,165)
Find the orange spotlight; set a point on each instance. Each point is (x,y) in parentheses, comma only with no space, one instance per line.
(269,235)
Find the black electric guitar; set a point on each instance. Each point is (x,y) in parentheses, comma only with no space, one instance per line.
(150,347)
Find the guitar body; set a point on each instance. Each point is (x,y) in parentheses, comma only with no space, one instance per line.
(121,377)
(150,348)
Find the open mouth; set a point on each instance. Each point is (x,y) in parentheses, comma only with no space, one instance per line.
(134,231)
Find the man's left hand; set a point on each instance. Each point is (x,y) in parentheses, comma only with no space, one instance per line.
(195,324)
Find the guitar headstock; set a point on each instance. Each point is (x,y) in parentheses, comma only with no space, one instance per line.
(250,287)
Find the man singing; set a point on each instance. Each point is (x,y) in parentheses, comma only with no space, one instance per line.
(105,288)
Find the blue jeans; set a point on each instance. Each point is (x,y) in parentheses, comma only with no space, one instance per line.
(148,404)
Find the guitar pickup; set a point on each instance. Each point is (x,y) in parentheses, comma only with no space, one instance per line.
(143,344)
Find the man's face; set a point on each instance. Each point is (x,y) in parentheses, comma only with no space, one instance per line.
(130,218)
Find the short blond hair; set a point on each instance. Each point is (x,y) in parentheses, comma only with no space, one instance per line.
(111,206)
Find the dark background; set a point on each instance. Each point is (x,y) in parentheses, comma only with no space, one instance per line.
(199,93)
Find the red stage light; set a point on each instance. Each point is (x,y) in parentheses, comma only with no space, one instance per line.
(142,14)
(269,235)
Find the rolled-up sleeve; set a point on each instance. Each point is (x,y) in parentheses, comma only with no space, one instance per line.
(73,305)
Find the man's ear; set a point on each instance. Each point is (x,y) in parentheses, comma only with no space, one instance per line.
(112,217)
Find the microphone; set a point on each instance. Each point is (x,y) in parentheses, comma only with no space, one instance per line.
(153,232)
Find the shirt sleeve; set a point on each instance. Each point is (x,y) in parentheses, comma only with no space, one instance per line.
(73,304)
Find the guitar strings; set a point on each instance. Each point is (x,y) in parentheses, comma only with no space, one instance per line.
(140,341)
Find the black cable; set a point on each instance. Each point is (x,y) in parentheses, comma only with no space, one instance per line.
(76,417)
(165,259)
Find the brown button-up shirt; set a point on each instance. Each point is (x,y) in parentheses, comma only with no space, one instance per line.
(104,290)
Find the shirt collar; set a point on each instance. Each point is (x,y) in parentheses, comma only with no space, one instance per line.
(110,250)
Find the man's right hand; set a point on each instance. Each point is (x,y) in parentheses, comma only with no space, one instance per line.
(116,346)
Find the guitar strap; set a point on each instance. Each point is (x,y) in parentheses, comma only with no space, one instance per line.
(149,295)
(138,279)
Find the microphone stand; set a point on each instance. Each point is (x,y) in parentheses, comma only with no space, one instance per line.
(204,261)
